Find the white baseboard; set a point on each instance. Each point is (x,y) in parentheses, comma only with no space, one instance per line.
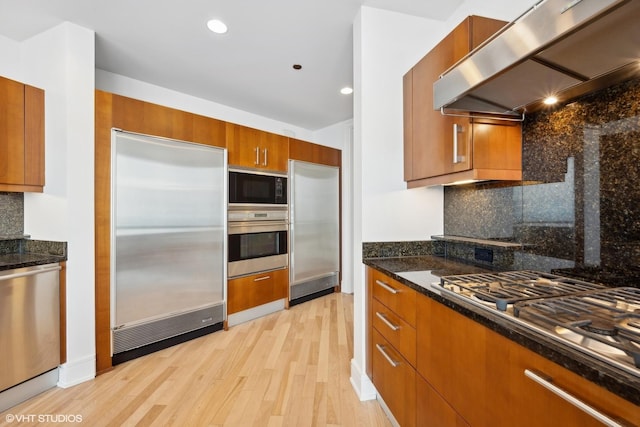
(361,383)
(77,371)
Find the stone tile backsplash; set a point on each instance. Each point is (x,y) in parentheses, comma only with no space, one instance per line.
(577,210)
(11,214)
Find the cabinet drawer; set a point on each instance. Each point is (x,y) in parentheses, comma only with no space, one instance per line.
(399,298)
(395,380)
(399,333)
(251,291)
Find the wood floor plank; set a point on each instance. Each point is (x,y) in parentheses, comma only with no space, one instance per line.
(291,368)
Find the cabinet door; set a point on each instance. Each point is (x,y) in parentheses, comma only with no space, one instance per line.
(33,136)
(11,132)
(435,144)
(433,410)
(251,291)
(452,357)
(21,137)
(497,145)
(274,153)
(407,124)
(254,148)
(433,134)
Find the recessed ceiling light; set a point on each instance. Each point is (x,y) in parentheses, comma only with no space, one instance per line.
(346,91)
(217,26)
(550,100)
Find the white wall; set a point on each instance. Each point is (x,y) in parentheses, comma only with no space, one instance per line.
(386,46)
(340,136)
(61,61)
(137,89)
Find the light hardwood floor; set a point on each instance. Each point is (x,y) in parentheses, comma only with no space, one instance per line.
(290,368)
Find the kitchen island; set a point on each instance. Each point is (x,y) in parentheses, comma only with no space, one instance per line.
(481,329)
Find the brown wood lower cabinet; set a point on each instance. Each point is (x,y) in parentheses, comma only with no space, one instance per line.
(394,379)
(433,410)
(481,376)
(251,291)
(468,375)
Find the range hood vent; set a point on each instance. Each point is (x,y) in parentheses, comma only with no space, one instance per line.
(564,48)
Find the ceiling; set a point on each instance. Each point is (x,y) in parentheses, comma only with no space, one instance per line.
(167,43)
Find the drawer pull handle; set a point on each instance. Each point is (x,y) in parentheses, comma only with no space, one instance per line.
(386,287)
(546,383)
(259,279)
(392,362)
(386,321)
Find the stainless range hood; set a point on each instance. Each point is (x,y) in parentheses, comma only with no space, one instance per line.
(564,48)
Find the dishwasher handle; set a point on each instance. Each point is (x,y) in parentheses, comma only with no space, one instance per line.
(31,272)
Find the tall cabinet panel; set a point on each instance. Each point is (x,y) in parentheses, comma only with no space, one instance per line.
(314,212)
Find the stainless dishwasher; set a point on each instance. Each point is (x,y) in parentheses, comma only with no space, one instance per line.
(29,322)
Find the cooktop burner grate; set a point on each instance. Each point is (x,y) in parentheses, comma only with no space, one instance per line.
(608,316)
(509,287)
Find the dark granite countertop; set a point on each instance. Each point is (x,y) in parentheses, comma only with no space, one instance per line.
(19,253)
(422,273)
(19,260)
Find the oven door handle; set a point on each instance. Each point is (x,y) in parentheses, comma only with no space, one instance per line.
(241,227)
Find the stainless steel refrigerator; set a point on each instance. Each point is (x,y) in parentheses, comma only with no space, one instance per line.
(168,237)
(314,217)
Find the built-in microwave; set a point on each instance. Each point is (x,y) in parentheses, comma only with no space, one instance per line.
(252,187)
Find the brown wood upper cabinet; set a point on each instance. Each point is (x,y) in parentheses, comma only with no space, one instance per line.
(21,137)
(253,148)
(441,149)
(314,153)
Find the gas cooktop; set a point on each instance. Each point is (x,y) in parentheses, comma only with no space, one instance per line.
(504,289)
(603,322)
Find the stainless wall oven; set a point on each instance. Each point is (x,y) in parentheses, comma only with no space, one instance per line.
(258,240)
